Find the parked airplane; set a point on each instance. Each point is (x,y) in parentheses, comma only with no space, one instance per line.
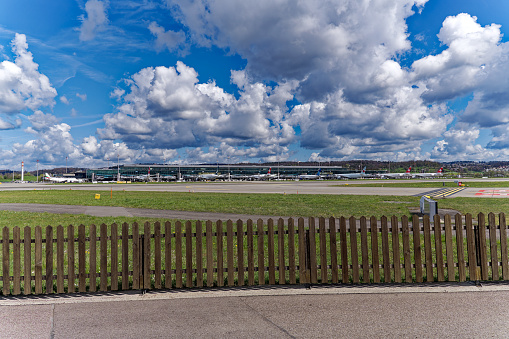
(439,173)
(362,174)
(209,176)
(266,176)
(60,179)
(407,174)
(311,176)
(142,177)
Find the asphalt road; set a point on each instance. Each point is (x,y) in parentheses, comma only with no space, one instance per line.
(406,311)
(281,187)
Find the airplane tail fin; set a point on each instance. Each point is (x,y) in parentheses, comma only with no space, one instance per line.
(270,168)
(46,175)
(440,170)
(409,169)
(364,170)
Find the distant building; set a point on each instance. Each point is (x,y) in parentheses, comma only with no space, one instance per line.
(193,171)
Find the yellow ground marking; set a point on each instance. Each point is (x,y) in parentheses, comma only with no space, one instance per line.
(445,192)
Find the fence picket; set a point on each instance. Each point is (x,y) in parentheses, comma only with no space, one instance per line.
(189,254)
(364,250)
(60,259)
(261,256)
(416,229)
(49,259)
(333,250)
(428,255)
(353,249)
(219,241)
(71,278)
(482,246)
(199,254)
(312,251)
(291,251)
(448,248)
(323,250)
(229,252)
(147,269)
(157,255)
(472,258)
(270,252)
(304,274)
(407,262)
(281,251)
(503,246)
(16,244)
(38,260)
(92,231)
(125,256)
(344,250)
(438,248)
(240,252)
(374,250)
(395,249)
(178,254)
(136,256)
(168,283)
(103,257)
(27,256)
(386,250)
(210,258)
(250,253)
(460,248)
(493,246)
(82,282)
(114,257)
(6,289)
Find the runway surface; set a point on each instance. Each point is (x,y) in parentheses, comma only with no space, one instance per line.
(264,187)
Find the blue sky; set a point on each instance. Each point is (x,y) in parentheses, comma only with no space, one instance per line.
(231,81)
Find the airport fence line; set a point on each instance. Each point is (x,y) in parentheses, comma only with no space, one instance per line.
(247,253)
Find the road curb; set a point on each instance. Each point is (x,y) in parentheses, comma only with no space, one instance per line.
(250,292)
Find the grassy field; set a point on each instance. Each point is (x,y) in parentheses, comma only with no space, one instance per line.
(259,204)
(291,205)
(22,219)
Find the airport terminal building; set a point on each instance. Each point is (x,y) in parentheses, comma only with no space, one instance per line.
(193,172)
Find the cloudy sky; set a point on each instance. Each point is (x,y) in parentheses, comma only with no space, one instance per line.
(232,81)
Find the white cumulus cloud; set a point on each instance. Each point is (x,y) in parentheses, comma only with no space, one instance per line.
(95,20)
(170,40)
(21,85)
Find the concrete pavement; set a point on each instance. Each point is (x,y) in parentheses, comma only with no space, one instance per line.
(342,311)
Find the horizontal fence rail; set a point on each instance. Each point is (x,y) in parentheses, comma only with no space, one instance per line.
(246,253)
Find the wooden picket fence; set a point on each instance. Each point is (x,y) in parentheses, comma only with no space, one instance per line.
(199,254)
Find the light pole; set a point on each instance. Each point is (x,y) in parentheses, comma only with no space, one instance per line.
(228,168)
(66,165)
(37,170)
(277,165)
(118,167)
